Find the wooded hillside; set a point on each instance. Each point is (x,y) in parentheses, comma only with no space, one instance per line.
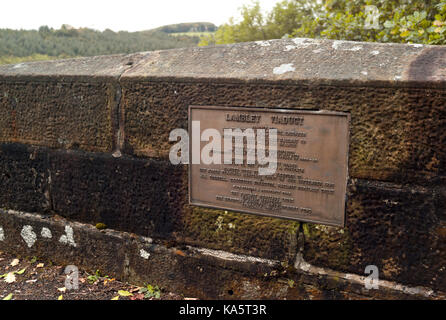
(49,43)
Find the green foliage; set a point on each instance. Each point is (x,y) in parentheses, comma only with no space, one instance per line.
(287,16)
(404,21)
(151,292)
(47,43)
(283,20)
(408,21)
(96,277)
(92,279)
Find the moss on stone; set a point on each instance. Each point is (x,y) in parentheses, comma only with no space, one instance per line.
(101,226)
(329,246)
(242,233)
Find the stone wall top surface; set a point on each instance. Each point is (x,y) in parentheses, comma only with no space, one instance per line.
(99,66)
(312,60)
(299,59)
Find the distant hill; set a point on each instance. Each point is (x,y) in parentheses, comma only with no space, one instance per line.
(193,27)
(49,43)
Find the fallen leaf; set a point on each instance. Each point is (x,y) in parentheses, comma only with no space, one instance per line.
(10,277)
(8,297)
(124,293)
(106,281)
(40,265)
(60,297)
(21,271)
(15,262)
(63,289)
(180,253)
(115,298)
(138,296)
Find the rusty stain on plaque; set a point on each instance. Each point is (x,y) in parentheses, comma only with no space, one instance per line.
(310,181)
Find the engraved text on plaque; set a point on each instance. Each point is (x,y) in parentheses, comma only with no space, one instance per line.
(310,179)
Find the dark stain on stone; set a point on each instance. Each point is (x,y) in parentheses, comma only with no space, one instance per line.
(134,195)
(23,178)
(430,65)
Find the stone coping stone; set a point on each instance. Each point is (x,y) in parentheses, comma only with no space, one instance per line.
(299,59)
(91,68)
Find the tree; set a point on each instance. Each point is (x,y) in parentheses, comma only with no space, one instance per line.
(252,27)
(362,20)
(287,16)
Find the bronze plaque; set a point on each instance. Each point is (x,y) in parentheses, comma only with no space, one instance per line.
(310,179)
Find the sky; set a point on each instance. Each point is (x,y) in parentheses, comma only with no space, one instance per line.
(129,15)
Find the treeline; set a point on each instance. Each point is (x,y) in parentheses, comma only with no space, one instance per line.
(188,27)
(70,42)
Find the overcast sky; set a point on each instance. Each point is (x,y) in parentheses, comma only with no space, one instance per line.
(130,15)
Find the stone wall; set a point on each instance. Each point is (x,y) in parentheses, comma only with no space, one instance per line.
(86,140)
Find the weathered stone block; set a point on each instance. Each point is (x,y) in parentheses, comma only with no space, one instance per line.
(144,196)
(24,178)
(66,104)
(400,229)
(58,114)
